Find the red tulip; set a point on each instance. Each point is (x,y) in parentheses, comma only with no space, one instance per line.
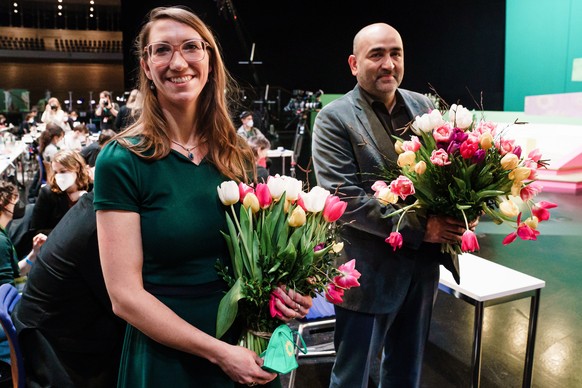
(264,195)
(540,210)
(334,294)
(469,242)
(243,190)
(395,239)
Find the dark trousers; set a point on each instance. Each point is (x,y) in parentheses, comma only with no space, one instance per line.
(400,336)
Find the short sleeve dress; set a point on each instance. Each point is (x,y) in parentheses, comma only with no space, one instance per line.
(181,220)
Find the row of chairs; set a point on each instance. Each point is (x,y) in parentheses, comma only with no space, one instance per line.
(89,46)
(13,43)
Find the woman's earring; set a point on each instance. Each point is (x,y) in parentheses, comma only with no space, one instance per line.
(152,86)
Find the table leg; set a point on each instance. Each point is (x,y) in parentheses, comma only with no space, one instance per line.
(531,339)
(477,337)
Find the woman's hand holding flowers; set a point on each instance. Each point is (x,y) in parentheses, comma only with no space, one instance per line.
(287,304)
(243,366)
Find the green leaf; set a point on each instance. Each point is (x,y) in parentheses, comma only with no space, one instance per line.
(228,308)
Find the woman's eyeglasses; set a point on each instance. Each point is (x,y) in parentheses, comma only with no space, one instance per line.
(161,53)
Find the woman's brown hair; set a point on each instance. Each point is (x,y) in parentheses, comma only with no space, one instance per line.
(226,150)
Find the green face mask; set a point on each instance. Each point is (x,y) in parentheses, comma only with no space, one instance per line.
(280,354)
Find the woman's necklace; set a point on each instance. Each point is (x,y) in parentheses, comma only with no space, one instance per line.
(188,150)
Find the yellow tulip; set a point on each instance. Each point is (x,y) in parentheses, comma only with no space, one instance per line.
(251,201)
(407,158)
(486,141)
(509,161)
(398,147)
(519,174)
(532,222)
(297,217)
(509,208)
(337,247)
(387,196)
(420,167)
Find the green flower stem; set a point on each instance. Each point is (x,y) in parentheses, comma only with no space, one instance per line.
(244,242)
(465,217)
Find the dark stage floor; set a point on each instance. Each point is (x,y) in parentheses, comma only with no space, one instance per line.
(555,258)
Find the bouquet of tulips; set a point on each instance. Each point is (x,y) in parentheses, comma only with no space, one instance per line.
(465,167)
(278,235)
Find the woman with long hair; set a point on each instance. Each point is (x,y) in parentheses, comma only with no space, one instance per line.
(159,218)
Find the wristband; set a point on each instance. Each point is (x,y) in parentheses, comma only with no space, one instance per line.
(28,261)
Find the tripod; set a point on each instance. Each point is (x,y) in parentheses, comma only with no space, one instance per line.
(302,124)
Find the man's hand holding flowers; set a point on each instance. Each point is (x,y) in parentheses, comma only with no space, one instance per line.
(459,170)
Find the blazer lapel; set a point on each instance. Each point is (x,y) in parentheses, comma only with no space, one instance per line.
(373,127)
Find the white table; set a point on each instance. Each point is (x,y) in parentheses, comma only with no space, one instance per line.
(485,283)
(9,154)
(282,153)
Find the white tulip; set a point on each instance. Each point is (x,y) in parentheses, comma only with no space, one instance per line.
(314,201)
(276,186)
(228,193)
(460,116)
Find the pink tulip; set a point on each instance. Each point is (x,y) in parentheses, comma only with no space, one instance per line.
(378,186)
(349,275)
(540,210)
(395,239)
(264,195)
(334,208)
(402,187)
(243,190)
(334,294)
(273,309)
(529,191)
(524,231)
(439,157)
(469,242)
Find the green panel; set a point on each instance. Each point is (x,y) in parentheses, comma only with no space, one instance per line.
(575,45)
(536,49)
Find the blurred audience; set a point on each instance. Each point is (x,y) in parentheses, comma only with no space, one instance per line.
(77,138)
(130,111)
(247,129)
(53,113)
(106,111)
(51,141)
(260,146)
(91,151)
(70,180)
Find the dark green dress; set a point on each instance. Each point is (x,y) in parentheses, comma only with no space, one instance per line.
(181,219)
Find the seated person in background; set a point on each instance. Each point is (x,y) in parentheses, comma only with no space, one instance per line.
(77,138)
(130,111)
(11,267)
(51,141)
(106,111)
(91,151)
(66,327)
(27,125)
(247,129)
(71,179)
(260,146)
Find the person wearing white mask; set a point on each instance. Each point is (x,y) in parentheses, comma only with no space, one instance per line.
(248,129)
(69,181)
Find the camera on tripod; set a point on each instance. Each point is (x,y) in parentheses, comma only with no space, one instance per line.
(302,101)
